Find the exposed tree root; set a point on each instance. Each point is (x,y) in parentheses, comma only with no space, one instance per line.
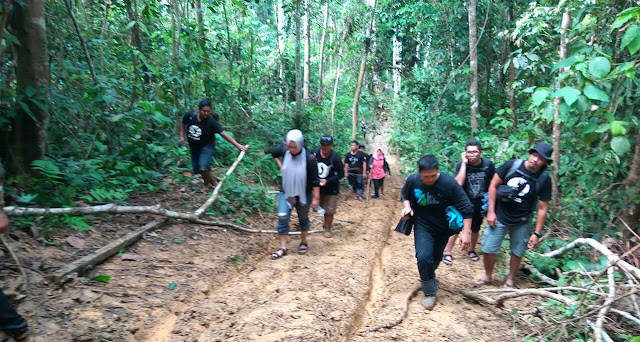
(400,318)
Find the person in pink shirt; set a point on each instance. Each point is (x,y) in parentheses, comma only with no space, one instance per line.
(379,169)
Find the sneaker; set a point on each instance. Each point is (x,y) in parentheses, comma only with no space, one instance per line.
(429,302)
(327,234)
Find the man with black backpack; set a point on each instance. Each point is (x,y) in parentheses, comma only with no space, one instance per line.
(516,190)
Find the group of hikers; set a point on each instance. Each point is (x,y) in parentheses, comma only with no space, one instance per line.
(508,196)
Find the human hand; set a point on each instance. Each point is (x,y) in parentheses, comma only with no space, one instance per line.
(243,148)
(261,154)
(181,141)
(463,156)
(4,223)
(465,239)
(492,219)
(533,241)
(323,182)
(315,203)
(406,212)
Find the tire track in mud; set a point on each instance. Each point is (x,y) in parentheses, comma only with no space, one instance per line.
(315,297)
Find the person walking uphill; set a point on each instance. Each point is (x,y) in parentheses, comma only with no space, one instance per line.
(426,196)
(330,171)
(511,206)
(300,189)
(355,166)
(474,173)
(11,323)
(379,168)
(201,128)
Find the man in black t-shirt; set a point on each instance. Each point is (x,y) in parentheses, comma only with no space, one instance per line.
(330,171)
(533,186)
(201,128)
(276,150)
(426,196)
(474,174)
(355,167)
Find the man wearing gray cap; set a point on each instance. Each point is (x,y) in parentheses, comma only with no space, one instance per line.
(517,188)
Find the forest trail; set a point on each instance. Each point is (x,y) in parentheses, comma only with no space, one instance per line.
(192,284)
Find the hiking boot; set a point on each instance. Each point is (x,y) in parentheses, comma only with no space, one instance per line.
(429,302)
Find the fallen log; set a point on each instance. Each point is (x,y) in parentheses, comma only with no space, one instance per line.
(85,263)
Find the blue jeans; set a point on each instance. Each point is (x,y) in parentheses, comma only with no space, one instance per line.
(284,214)
(10,321)
(201,158)
(429,249)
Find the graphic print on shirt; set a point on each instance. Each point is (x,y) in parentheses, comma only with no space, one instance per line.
(195,132)
(517,182)
(424,199)
(475,181)
(323,170)
(353,160)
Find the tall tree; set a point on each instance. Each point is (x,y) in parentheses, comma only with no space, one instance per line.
(28,135)
(363,65)
(557,121)
(299,104)
(512,68)
(473,64)
(307,51)
(321,54)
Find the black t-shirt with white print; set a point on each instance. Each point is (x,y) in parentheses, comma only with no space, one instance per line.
(355,162)
(477,180)
(200,133)
(519,211)
(331,169)
(429,203)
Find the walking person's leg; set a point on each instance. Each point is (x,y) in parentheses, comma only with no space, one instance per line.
(330,205)
(11,322)
(424,244)
(491,242)
(305,224)
(359,186)
(518,239)
(382,187)
(376,188)
(447,257)
(284,213)
(476,223)
(206,153)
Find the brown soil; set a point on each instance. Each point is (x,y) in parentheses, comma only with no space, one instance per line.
(228,289)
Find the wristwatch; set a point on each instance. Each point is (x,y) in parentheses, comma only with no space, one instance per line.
(537,234)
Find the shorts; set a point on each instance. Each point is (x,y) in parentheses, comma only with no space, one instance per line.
(518,238)
(201,157)
(329,203)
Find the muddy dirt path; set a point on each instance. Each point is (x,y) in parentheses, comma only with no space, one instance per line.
(192,284)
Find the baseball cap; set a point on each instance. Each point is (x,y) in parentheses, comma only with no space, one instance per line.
(326,139)
(544,150)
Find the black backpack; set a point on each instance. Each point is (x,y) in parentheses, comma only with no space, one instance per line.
(508,193)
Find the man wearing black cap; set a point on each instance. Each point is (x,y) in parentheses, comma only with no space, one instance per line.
(330,171)
(511,207)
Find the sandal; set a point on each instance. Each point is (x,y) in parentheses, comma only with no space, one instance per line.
(474,256)
(509,286)
(275,255)
(447,259)
(480,282)
(303,248)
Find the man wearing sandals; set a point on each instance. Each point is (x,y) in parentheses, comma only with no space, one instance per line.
(300,189)
(532,188)
(426,195)
(330,172)
(11,323)
(474,174)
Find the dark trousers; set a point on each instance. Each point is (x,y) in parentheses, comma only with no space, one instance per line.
(10,321)
(377,183)
(429,249)
(355,180)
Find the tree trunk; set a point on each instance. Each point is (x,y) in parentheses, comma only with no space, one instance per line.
(281,39)
(28,136)
(633,180)
(229,53)
(102,33)
(4,17)
(363,65)
(67,3)
(396,64)
(299,106)
(335,93)
(473,64)
(135,34)
(557,126)
(307,51)
(512,69)
(321,55)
